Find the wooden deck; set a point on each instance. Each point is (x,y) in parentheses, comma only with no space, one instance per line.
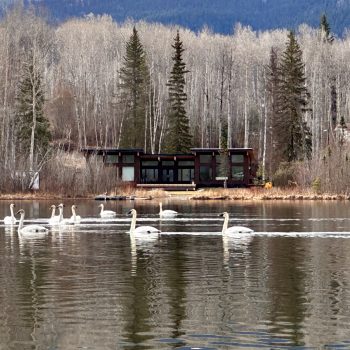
(169,187)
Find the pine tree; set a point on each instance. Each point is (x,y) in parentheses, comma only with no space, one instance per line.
(33,128)
(293,134)
(326,29)
(328,38)
(179,139)
(273,79)
(134,85)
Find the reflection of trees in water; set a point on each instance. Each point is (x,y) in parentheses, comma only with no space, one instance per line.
(143,284)
(31,276)
(287,288)
(176,285)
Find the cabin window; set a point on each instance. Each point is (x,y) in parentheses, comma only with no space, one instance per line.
(168,163)
(205,158)
(150,163)
(149,175)
(128,173)
(206,173)
(222,165)
(128,158)
(237,158)
(185,175)
(238,172)
(111,158)
(185,163)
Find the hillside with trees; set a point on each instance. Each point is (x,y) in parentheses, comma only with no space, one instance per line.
(93,81)
(219,15)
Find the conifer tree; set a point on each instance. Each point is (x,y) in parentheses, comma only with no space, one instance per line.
(179,139)
(33,128)
(293,135)
(326,29)
(134,85)
(273,79)
(328,38)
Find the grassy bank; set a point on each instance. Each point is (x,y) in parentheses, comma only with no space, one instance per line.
(202,194)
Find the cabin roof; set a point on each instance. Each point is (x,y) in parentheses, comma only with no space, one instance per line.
(204,150)
(141,152)
(112,150)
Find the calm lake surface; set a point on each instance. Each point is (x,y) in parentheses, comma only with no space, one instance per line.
(90,286)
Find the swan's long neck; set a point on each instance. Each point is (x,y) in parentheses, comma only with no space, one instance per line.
(74,214)
(53,212)
(61,214)
(133,223)
(225,225)
(102,208)
(160,208)
(20,225)
(12,214)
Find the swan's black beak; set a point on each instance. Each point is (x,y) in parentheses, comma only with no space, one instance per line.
(19,212)
(129,212)
(222,214)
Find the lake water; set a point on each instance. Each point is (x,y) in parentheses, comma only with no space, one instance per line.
(90,287)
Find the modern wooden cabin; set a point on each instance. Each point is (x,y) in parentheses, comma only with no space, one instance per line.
(203,167)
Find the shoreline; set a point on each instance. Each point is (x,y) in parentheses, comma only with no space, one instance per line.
(233,194)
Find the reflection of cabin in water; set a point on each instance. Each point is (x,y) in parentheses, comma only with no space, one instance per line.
(203,167)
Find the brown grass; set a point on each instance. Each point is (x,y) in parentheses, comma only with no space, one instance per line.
(257,193)
(254,193)
(39,195)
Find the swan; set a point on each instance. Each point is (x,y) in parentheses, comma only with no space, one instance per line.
(106,213)
(75,219)
(61,220)
(29,228)
(166,213)
(233,229)
(10,220)
(54,219)
(141,230)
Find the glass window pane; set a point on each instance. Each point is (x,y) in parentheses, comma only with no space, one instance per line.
(128,158)
(237,158)
(238,172)
(150,163)
(112,158)
(205,158)
(185,163)
(205,173)
(149,175)
(168,163)
(186,175)
(128,173)
(222,165)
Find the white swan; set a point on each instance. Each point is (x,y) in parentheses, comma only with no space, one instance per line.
(143,231)
(106,213)
(10,220)
(61,220)
(29,228)
(166,213)
(233,229)
(54,219)
(75,219)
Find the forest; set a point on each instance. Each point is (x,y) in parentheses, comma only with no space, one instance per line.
(219,15)
(74,72)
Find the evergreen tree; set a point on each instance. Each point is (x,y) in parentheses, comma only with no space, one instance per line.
(326,29)
(328,38)
(134,85)
(179,139)
(33,128)
(274,155)
(293,135)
